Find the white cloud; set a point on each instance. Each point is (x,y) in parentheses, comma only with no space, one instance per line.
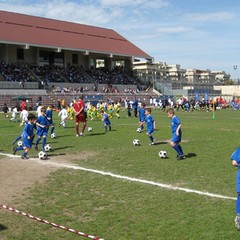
(137,3)
(67,11)
(174,29)
(215,17)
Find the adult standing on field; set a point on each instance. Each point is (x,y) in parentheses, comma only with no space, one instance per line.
(79,107)
(135,107)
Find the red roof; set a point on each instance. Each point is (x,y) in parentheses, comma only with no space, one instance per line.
(23,29)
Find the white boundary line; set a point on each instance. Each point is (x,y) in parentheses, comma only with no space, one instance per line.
(162,185)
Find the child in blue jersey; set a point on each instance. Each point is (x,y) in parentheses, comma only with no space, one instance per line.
(176,134)
(106,121)
(27,137)
(141,114)
(49,115)
(236,163)
(42,129)
(151,125)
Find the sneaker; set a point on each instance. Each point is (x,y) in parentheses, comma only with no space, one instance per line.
(152,143)
(81,134)
(24,157)
(180,157)
(237,222)
(14,150)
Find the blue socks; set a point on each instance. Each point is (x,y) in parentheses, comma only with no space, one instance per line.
(52,130)
(151,138)
(18,138)
(44,142)
(178,149)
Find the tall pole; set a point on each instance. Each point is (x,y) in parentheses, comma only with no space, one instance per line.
(235,69)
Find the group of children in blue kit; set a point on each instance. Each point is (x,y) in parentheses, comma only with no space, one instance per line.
(176,128)
(41,124)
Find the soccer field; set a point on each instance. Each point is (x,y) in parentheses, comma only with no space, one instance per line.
(105,186)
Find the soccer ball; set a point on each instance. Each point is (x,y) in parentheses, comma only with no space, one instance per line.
(139,130)
(89,129)
(42,155)
(162,154)
(136,142)
(53,135)
(47,147)
(19,143)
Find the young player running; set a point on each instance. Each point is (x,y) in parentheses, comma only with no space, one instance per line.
(42,129)
(236,163)
(27,137)
(176,134)
(151,125)
(49,116)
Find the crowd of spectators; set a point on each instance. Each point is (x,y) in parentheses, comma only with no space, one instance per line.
(115,76)
(47,74)
(15,73)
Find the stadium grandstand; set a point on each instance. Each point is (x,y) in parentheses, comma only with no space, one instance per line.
(55,59)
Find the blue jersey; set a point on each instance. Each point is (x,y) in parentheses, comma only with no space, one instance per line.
(135,104)
(43,121)
(175,123)
(28,131)
(49,116)
(142,115)
(236,157)
(106,119)
(150,123)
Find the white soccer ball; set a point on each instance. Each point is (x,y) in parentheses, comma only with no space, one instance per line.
(19,143)
(53,135)
(139,130)
(42,155)
(136,142)
(162,154)
(47,147)
(89,129)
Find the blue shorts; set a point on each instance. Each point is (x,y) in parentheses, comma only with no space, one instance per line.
(42,132)
(50,122)
(238,181)
(150,131)
(175,138)
(27,143)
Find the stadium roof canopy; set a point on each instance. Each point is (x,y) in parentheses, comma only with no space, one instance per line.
(34,31)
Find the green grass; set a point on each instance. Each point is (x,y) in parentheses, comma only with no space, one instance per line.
(119,209)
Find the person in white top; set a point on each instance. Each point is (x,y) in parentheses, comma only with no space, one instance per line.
(64,115)
(24,116)
(14,114)
(39,110)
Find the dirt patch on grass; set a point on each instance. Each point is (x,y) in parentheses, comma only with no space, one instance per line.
(17,175)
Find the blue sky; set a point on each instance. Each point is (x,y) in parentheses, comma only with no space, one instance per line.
(195,34)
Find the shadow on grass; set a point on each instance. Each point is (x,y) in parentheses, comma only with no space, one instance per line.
(190,155)
(67,135)
(60,148)
(95,134)
(2,227)
(56,154)
(160,142)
